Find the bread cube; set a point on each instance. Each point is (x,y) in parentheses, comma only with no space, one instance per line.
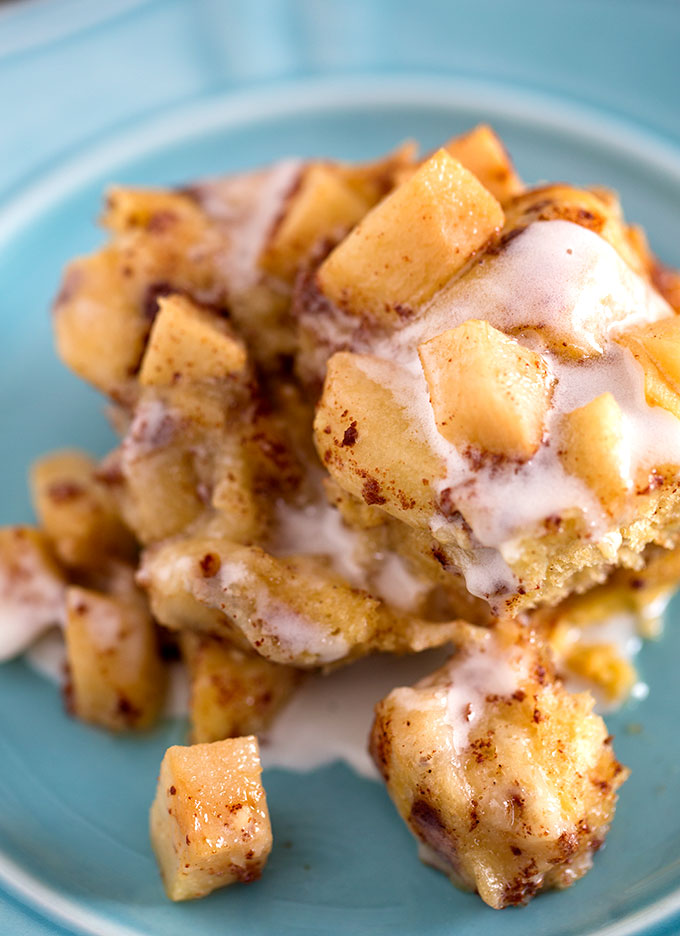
(209,822)
(322,206)
(294,610)
(487,390)
(593,447)
(409,245)
(191,343)
(117,678)
(507,781)
(483,153)
(32,589)
(78,512)
(232,693)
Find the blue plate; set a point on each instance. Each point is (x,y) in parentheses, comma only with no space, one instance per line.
(163,92)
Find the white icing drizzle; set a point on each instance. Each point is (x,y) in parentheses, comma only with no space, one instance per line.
(557,279)
(330,716)
(317,529)
(294,632)
(247,207)
(395,583)
(152,427)
(476,672)
(30,603)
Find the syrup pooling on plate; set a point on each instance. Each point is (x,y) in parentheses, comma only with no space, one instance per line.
(555,283)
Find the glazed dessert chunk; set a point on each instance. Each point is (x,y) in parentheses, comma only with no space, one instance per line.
(209,821)
(527,367)
(291,610)
(507,781)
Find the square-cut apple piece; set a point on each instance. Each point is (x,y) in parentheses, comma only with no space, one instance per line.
(357,421)
(190,342)
(412,243)
(209,821)
(99,331)
(32,589)
(116,673)
(78,512)
(593,447)
(656,347)
(323,205)
(483,153)
(232,692)
(487,390)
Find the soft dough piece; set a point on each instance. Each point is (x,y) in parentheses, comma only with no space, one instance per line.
(507,780)
(291,610)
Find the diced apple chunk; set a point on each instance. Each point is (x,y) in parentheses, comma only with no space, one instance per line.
(232,693)
(209,821)
(323,205)
(116,674)
(656,347)
(99,331)
(487,391)
(190,342)
(412,243)
(77,512)
(357,421)
(31,589)
(593,447)
(483,153)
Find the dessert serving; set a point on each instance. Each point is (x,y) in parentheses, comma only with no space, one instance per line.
(367,409)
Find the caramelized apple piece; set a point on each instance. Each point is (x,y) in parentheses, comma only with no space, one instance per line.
(99,332)
(209,822)
(593,447)
(656,347)
(78,512)
(116,673)
(357,421)
(482,152)
(487,390)
(189,342)
(323,205)
(407,247)
(232,693)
